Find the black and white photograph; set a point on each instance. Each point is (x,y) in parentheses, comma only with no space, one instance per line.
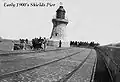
(59,41)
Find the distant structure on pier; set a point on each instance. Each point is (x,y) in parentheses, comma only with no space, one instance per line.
(59,28)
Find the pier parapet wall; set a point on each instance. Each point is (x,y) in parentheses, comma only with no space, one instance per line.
(112,57)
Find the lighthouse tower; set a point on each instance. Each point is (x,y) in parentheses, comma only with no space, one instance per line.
(59,28)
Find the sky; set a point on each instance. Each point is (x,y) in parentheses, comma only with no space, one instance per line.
(89,20)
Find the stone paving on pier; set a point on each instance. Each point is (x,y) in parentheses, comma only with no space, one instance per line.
(55,71)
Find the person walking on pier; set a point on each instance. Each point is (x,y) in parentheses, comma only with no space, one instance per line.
(60,44)
(45,43)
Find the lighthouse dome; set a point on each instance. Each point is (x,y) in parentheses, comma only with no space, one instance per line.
(60,9)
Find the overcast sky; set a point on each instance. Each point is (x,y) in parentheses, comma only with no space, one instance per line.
(89,20)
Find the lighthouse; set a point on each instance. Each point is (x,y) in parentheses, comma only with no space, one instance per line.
(59,28)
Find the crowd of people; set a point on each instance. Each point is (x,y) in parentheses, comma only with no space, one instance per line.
(80,43)
(39,43)
(35,44)
(21,45)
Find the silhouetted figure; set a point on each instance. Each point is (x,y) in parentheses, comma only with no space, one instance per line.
(60,43)
(44,43)
(71,43)
(26,41)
